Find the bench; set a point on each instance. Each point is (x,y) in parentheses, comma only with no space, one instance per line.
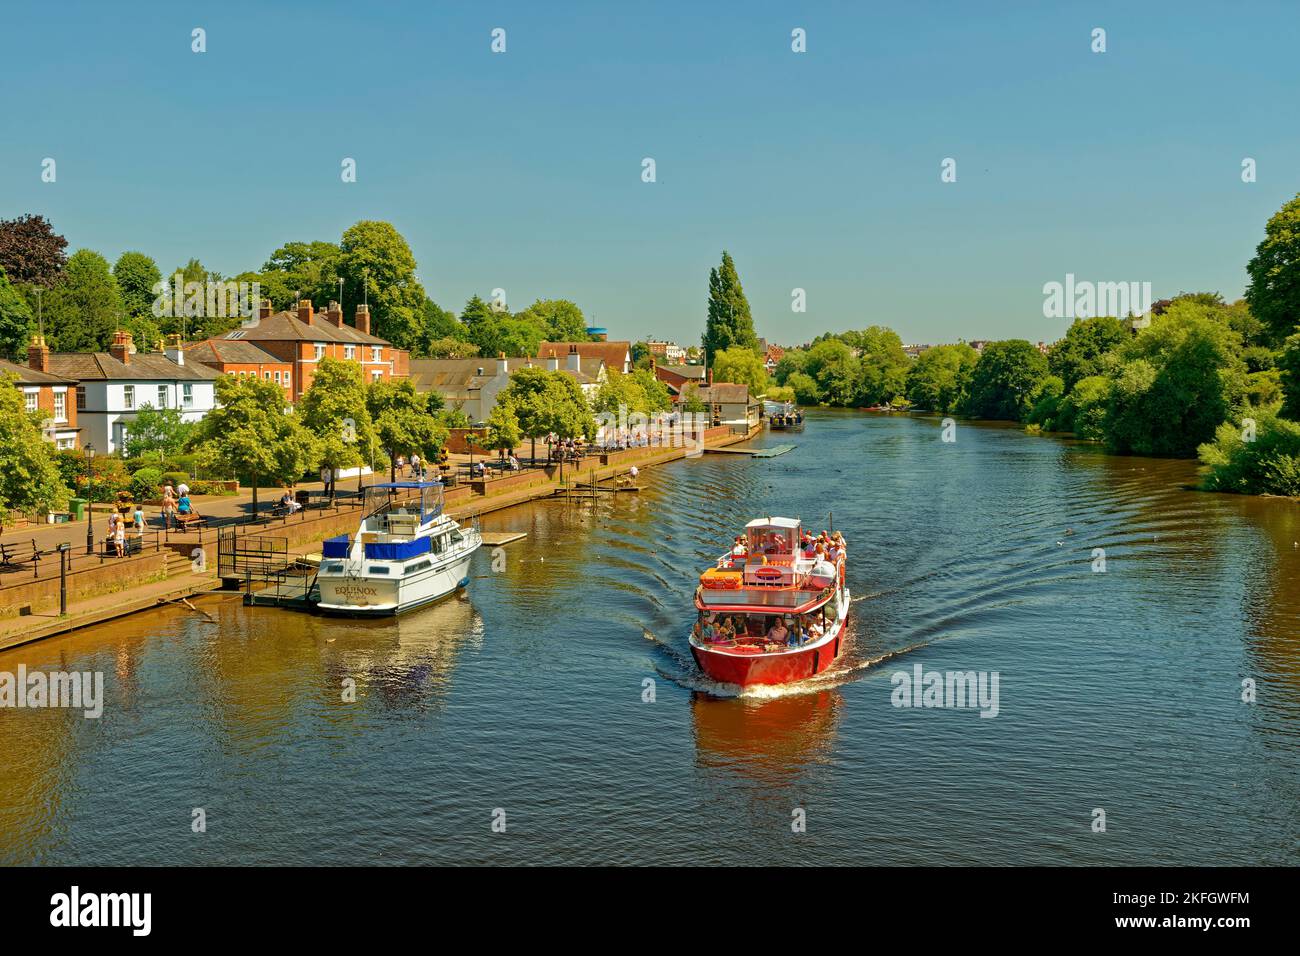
(134,544)
(11,555)
(191,520)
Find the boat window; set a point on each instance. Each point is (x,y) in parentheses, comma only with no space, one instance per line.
(333,567)
(378,569)
(418,566)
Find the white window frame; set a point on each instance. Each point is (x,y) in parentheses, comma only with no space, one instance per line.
(128,397)
(187,394)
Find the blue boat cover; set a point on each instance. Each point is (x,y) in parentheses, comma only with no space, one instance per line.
(398,551)
(336,547)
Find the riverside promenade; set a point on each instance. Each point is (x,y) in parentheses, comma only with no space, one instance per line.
(179,566)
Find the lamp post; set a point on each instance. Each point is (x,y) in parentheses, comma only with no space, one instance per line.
(90,499)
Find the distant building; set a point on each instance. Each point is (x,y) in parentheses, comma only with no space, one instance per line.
(53,395)
(670,353)
(914,351)
(730,404)
(113,386)
(615,355)
(676,377)
(772,354)
(473,384)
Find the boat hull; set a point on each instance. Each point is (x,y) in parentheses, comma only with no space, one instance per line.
(736,666)
(366,596)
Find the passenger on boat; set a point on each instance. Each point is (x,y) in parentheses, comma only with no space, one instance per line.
(740,549)
(796,632)
(814,630)
(779,632)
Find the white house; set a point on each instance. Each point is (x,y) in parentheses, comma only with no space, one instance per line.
(113,386)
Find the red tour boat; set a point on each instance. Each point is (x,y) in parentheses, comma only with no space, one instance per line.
(772,610)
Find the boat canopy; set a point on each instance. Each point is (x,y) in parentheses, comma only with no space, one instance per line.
(774,523)
(771,538)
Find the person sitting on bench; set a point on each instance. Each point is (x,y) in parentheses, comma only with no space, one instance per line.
(185,509)
(288,503)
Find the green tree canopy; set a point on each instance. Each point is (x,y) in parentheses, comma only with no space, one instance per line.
(1177,381)
(1006,380)
(29,478)
(561,319)
(729,321)
(157,432)
(1084,349)
(334,409)
(137,277)
(883,366)
(405,421)
(251,436)
(377,259)
(16,321)
(1274,288)
(740,366)
(836,371)
(940,378)
(84,309)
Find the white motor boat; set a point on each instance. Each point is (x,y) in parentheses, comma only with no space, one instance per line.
(406,553)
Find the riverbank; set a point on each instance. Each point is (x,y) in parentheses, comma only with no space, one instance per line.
(186,565)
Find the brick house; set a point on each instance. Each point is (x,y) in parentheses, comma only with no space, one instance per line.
(243,360)
(53,395)
(615,355)
(300,339)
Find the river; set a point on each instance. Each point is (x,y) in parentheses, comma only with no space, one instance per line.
(558,697)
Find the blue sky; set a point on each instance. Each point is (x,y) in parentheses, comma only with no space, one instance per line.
(819,170)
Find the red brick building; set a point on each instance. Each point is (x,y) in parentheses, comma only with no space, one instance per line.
(298,340)
(54,396)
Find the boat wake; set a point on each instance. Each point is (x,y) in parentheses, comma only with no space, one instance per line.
(680,669)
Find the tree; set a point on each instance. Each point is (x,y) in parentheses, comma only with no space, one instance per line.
(449,348)
(442,335)
(1083,350)
(31,252)
(157,431)
(883,366)
(84,308)
(793,360)
(1270,464)
(729,321)
(302,270)
(29,478)
(503,431)
(404,420)
(377,260)
(1273,292)
(1176,382)
(16,321)
(562,320)
(740,366)
(1006,380)
(834,367)
(548,403)
(691,401)
(249,435)
(137,276)
(334,409)
(1288,363)
(657,396)
(940,377)
(805,387)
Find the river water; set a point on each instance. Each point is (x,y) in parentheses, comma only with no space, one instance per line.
(559,697)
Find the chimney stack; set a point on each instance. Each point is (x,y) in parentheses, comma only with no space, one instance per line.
(304,311)
(335,314)
(503,364)
(38,354)
(264,309)
(173,349)
(575,360)
(363,318)
(121,347)
(552,362)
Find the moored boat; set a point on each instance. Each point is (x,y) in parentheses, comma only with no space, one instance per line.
(406,553)
(773,609)
(787,417)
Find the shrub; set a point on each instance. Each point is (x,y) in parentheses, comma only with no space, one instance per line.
(176,477)
(1268,465)
(146,483)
